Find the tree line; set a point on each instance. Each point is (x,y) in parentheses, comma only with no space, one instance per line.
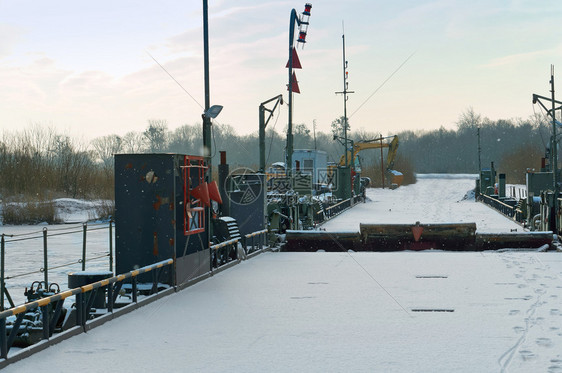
(40,161)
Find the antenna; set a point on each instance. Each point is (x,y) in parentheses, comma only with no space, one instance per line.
(314,132)
(344,93)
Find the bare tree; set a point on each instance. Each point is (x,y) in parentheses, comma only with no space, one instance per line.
(338,126)
(156,135)
(469,120)
(132,142)
(105,147)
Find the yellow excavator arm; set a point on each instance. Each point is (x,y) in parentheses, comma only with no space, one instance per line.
(373,144)
(377,143)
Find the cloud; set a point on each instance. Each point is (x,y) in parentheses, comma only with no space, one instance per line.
(524,57)
(11,36)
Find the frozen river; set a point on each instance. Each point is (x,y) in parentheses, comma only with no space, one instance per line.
(25,254)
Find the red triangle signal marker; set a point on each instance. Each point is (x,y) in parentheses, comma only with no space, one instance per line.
(294,84)
(296,62)
(201,192)
(417,231)
(214,192)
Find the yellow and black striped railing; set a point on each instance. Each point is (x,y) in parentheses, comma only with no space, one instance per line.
(83,305)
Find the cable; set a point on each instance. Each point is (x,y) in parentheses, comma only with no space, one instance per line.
(367,272)
(174,79)
(214,145)
(58,266)
(272,136)
(66,231)
(383,83)
(540,128)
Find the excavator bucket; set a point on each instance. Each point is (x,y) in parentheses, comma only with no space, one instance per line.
(396,178)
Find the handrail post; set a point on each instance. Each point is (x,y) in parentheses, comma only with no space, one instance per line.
(2,258)
(134,289)
(85,228)
(110,298)
(45,318)
(3,338)
(79,309)
(45,261)
(111,245)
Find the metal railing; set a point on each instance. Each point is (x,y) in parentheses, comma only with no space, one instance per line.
(48,311)
(260,238)
(504,208)
(226,251)
(44,234)
(337,209)
(84,304)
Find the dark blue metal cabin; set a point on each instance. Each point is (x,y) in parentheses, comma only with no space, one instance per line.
(158,216)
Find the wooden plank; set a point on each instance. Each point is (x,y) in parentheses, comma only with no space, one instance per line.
(495,241)
(390,237)
(321,240)
(430,231)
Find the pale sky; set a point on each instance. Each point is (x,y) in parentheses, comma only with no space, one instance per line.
(83,67)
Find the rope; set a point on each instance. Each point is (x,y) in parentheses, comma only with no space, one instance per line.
(52,234)
(55,267)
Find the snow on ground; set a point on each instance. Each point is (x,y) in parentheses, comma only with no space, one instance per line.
(70,210)
(430,311)
(434,198)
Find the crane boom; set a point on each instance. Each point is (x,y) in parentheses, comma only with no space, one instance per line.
(373,144)
(377,143)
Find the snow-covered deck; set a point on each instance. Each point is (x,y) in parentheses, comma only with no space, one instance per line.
(347,312)
(433,199)
(340,312)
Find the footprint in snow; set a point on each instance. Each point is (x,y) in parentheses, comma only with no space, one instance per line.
(544,342)
(527,355)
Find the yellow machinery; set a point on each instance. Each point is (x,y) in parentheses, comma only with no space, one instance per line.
(395,178)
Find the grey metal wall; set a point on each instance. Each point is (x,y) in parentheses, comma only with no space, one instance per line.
(149,217)
(248,202)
